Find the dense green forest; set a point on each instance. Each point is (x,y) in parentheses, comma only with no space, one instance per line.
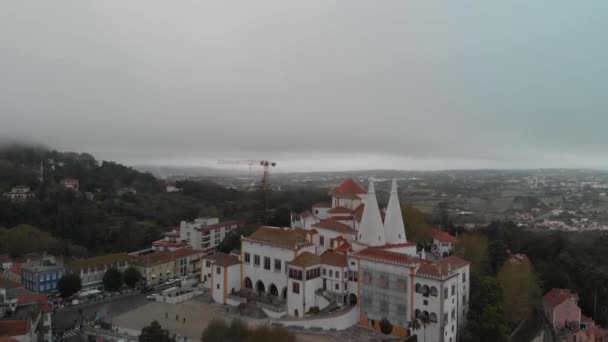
(108,221)
(506,294)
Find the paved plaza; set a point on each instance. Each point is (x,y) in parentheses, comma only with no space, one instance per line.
(197,313)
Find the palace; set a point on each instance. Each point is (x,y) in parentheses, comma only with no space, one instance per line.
(343,263)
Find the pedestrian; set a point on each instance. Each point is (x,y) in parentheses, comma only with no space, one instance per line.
(184,320)
(176,318)
(166,314)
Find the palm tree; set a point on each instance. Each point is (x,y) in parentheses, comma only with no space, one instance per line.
(425,320)
(415,324)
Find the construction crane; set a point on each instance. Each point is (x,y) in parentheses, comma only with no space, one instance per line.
(265,185)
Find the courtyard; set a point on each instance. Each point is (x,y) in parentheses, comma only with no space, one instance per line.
(197,314)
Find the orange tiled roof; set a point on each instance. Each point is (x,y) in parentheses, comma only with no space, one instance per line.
(152,259)
(343,248)
(334,259)
(398,245)
(358,213)
(306,259)
(291,238)
(340,210)
(519,257)
(441,268)
(185,252)
(13,328)
(334,225)
(442,236)
(380,255)
(16,267)
(556,296)
(350,187)
(223,259)
(165,243)
(595,332)
(343,218)
(34,297)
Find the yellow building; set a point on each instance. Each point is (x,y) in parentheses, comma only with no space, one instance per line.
(155,267)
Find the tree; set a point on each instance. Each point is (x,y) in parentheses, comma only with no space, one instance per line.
(112,280)
(237,331)
(415,325)
(424,321)
(209,212)
(265,333)
(492,324)
(216,331)
(520,289)
(485,291)
(281,217)
(131,276)
(497,254)
(416,228)
(385,326)
(69,284)
(474,248)
(155,333)
(442,215)
(232,240)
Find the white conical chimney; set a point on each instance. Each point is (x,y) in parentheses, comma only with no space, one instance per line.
(371,230)
(394,229)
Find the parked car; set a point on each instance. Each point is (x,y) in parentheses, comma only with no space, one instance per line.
(152,296)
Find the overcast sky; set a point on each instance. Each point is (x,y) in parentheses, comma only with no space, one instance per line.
(314,84)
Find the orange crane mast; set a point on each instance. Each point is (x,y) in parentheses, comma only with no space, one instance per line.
(265,186)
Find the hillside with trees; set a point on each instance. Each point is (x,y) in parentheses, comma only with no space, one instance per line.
(116,208)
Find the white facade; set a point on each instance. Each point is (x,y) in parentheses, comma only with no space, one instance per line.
(301,294)
(383,280)
(265,265)
(321,212)
(225,280)
(324,237)
(206,233)
(442,248)
(19,193)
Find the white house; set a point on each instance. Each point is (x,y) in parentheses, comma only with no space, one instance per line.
(221,274)
(443,242)
(172,187)
(19,193)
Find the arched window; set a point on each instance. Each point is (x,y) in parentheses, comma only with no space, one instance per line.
(425,291)
(426,316)
(417,313)
(433,291)
(418,288)
(433,317)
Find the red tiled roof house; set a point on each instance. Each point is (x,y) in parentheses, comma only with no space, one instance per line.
(561,308)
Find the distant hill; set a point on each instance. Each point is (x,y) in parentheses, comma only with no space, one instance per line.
(102,216)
